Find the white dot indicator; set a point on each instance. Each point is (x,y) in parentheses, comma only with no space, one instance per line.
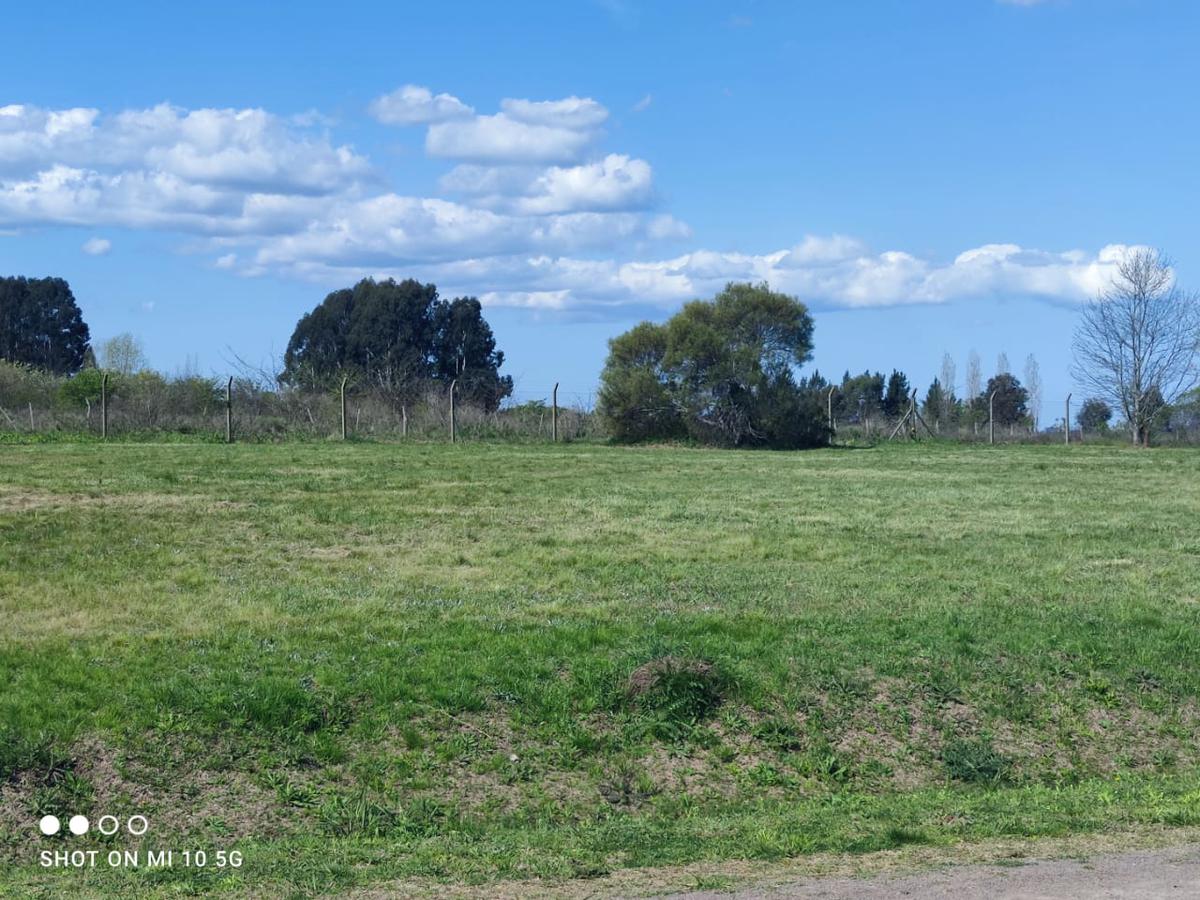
(49,825)
(78,824)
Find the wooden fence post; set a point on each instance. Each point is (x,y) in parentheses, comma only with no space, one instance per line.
(829,412)
(229,410)
(104,406)
(342,393)
(31,425)
(404,420)
(991,418)
(453,385)
(554,413)
(1067,422)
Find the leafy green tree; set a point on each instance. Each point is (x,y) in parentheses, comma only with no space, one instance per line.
(895,398)
(41,325)
(21,384)
(635,388)
(1011,403)
(935,405)
(721,371)
(1094,415)
(862,396)
(380,332)
(84,387)
(464,349)
(397,337)
(940,406)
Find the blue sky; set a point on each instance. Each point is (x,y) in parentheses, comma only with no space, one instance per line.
(938,176)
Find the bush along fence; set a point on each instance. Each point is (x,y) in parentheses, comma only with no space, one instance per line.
(986,420)
(146,405)
(111,406)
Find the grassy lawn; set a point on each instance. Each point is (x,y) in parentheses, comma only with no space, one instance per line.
(357,664)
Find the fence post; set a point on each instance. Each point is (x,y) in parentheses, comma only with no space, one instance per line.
(1067,422)
(554,413)
(342,392)
(991,418)
(453,385)
(31,425)
(229,410)
(829,412)
(404,420)
(104,406)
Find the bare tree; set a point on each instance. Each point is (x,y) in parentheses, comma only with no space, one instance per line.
(949,374)
(1033,384)
(123,353)
(1138,341)
(1002,366)
(974,376)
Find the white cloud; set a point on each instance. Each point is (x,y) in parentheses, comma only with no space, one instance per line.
(210,171)
(571,112)
(244,150)
(397,230)
(856,279)
(615,182)
(643,104)
(413,104)
(814,250)
(540,217)
(96,246)
(666,227)
(64,195)
(523,132)
(500,138)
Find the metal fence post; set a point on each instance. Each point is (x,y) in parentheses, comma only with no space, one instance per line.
(554,413)
(342,392)
(1067,422)
(991,418)
(104,406)
(453,385)
(229,410)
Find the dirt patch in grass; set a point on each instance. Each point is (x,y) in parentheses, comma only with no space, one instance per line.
(327,553)
(177,797)
(1102,739)
(21,500)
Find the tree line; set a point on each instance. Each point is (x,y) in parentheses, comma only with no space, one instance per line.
(725,371)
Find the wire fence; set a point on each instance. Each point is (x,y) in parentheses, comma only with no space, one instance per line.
(146,404)
(241,409)
(979,421)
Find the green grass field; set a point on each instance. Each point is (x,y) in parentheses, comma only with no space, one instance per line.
(359,664)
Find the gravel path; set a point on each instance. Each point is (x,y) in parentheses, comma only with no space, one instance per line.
(1142,875)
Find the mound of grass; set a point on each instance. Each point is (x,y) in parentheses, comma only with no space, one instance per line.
(680,692)
(974,761)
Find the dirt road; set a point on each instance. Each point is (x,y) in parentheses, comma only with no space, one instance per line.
(1141,875)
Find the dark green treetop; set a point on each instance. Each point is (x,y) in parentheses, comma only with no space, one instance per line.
(41,325)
